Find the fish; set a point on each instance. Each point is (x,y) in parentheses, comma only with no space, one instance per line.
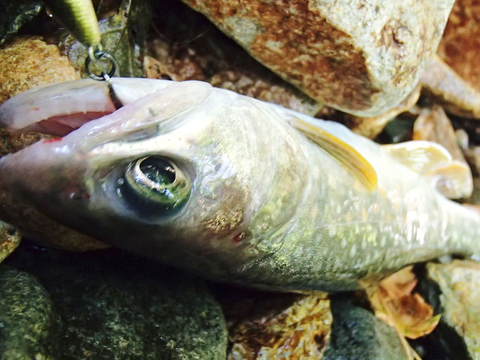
(234,189)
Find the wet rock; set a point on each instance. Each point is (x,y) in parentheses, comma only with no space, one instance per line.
(116,306)
(461,41)
(30,62)
(28,323)
(434,125)
(450,90)
(276,326)
(9,239)
(455,290)
(358,334)
(362,57)
(12,141)
(186,46)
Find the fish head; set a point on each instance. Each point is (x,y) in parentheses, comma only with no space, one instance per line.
(172,173)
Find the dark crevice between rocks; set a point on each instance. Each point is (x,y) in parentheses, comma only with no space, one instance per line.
(443,343)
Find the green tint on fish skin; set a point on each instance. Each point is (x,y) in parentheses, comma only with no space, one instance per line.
(79,18)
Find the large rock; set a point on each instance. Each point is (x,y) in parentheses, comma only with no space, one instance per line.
(358,334)
(28,323)
(116,306)
(363,57)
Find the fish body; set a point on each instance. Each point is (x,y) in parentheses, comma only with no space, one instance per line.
(244,197)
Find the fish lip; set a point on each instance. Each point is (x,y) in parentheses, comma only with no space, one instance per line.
(27,111)
(66,106)
(37,104)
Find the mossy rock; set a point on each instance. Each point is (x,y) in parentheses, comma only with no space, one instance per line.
(116,306)
(358,334)
(28,323)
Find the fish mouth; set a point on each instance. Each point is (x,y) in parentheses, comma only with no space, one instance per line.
(54,112)
(58,110)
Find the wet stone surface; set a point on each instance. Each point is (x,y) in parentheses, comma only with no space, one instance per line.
(115,306)
(29,326)
(358,334)
(10,238)
(454,290)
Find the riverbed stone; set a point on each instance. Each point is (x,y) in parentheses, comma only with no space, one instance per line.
(358,334)
(362,57)
(28,322)
(116,306)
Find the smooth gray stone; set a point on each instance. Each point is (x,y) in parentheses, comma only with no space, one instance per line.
(358,335)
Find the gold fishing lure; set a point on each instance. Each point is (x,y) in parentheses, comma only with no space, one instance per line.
(79,18)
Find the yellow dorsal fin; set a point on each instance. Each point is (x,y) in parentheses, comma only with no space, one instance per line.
(346,154)
(450,177)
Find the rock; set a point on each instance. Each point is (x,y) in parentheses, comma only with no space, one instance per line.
(28,323)
(12,141)
(9,239)
(116,306)
(454,289)
(277,326)
(362,57)
(358,334)
(434,125)
(449,90)
(30,62)
(186,46)
(461,41)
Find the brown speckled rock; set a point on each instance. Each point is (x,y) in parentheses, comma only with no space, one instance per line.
(30,62)
(363,57)
(461,42)
(186,46)
(450,90)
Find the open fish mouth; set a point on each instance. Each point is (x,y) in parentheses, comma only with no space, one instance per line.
(55,111)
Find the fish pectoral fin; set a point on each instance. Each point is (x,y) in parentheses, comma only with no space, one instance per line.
(346,154)
(450,177)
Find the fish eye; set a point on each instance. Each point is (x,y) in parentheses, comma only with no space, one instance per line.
(155,183)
